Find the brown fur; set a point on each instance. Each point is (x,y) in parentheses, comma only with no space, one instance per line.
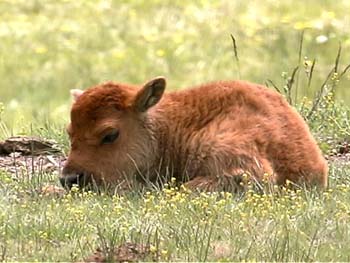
(206,136)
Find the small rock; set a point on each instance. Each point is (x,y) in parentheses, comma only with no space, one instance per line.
(28,146)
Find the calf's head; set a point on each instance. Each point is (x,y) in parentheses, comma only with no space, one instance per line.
(109,133)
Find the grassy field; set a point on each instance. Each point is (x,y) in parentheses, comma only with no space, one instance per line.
(49,47)
(178,225)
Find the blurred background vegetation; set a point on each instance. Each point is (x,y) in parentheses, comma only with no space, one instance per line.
(49,47)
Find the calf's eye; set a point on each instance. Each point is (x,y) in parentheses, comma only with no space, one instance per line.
(110,137)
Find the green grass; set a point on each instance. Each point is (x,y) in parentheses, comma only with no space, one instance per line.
(49,47)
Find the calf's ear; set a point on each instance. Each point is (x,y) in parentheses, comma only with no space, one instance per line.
(150,94)
(76,93)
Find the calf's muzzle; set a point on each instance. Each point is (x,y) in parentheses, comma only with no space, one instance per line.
(69,178)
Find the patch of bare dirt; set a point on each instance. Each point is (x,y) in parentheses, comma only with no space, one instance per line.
(343,159)
(128,252)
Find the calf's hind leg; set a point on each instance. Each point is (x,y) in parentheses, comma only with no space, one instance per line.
(233,179)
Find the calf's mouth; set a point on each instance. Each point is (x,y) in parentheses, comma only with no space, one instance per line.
(80,179)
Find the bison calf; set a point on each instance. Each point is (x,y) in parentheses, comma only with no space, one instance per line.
(206,137)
